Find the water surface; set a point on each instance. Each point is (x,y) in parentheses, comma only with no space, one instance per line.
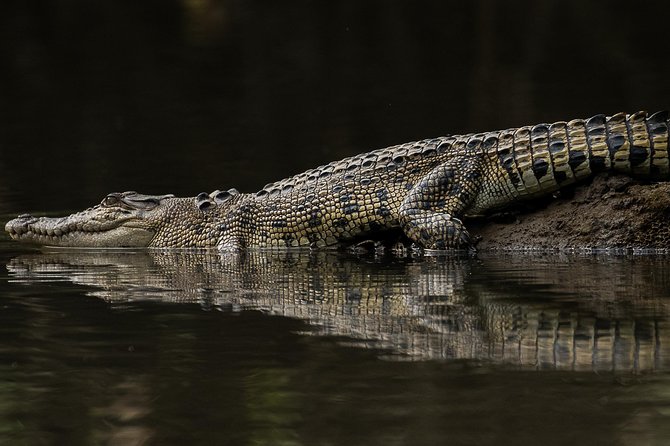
(158,347)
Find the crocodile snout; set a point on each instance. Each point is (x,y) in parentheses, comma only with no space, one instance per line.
(20,225)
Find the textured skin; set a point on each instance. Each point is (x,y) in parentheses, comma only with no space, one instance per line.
(423,187)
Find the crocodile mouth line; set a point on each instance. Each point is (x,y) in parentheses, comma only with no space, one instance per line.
(44,234)
(36,227)
(55,231)
(85,235)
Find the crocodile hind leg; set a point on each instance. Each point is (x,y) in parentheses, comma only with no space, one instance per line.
(429,214)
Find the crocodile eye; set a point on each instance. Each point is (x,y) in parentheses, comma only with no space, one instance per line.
(111,200)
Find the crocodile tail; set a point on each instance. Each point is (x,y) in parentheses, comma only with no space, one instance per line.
(545,157)
(635,144)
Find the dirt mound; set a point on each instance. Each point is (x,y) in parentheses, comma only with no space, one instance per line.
(610,212)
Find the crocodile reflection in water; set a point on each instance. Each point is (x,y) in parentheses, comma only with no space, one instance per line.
(423,308)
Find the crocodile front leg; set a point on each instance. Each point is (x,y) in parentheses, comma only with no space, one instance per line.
(429,214)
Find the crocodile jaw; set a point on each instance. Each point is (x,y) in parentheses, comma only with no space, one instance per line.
(79,230)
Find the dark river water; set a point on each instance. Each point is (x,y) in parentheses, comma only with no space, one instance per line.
(321,348)
(326,348)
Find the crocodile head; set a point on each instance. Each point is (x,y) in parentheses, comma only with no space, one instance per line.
(125,219)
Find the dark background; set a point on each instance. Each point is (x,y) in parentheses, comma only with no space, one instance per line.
(185,96)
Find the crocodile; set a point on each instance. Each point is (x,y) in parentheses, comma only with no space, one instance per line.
(423,188)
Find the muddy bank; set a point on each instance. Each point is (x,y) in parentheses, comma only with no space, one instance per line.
(609,212)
